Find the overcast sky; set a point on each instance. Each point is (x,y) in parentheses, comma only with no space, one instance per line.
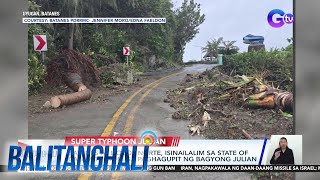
(234,19)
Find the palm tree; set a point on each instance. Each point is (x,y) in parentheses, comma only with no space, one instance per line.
(212,47)
(229,47)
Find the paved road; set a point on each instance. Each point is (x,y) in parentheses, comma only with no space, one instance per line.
(127,114)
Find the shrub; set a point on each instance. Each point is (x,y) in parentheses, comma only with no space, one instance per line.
(277,66)
(36,73)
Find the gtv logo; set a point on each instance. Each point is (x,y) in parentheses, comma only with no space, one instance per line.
(279,21)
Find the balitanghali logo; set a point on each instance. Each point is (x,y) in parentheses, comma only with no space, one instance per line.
(282,18)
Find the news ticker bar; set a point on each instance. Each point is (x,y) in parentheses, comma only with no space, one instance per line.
(235,168)
(211,168)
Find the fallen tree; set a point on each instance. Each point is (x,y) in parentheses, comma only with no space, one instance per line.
(280,100)
(73,69)
(68,99)
(77,71)
(74,81)
(257,94)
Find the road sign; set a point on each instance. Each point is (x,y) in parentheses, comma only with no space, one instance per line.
(40,42)
(126,51)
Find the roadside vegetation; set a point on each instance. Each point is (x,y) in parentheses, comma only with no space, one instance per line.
(249,96)
(152,45)
(275,65)
(220,46)
(213,48)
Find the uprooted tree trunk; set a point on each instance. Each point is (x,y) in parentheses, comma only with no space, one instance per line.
(68,99)
(262,95)
(268,97)
(77,71)
(74,81)
(280,100)
(284,101)
(72,67)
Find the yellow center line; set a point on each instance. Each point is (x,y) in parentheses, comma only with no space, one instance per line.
(108,130)
(129,122)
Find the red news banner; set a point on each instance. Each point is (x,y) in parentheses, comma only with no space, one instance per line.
(170,141)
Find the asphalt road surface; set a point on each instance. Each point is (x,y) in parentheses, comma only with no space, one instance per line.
(126,114)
